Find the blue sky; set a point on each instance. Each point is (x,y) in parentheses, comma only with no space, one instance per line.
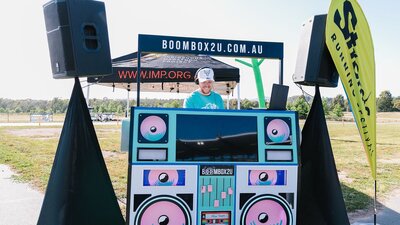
(25,63)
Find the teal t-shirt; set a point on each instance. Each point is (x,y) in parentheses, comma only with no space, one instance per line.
(198,101)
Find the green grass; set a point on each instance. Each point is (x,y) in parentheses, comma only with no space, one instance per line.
(31,157)
(353,168)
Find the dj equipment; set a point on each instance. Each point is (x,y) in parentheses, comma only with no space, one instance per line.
(78,38)
(209,167)
(279,95)
(314,65)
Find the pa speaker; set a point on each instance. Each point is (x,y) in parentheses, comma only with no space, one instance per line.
(77,36)
(314,64)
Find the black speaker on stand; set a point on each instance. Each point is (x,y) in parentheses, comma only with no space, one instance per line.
(314,65)
(78,38)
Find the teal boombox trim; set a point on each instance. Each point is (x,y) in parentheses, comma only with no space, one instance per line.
(168,119)
(190,166)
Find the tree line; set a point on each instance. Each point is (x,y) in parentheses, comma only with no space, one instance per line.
(333,107)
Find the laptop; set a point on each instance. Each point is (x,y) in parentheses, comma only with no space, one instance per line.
(279,96)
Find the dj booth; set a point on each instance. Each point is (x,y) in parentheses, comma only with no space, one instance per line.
(209,167)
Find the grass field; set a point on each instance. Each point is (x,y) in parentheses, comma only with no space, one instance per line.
(30,152)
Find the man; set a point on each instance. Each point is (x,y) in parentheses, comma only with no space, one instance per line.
(204,97)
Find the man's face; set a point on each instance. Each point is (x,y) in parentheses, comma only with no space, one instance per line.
(206,86)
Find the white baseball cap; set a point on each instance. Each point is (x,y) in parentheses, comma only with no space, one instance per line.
(204,74)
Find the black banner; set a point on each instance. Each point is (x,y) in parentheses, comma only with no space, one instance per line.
(215,47)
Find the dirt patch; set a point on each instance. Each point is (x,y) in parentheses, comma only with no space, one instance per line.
(395,160)
(343,177)
(108,130)
(37,133)
(108,154)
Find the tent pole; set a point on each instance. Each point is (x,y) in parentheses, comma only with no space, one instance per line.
(127,105)
(281,72)
(227,102)
(375,199)
(87,95)
(127,102)
(139,55)
(238,96)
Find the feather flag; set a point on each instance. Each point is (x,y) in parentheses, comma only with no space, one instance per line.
(349,41)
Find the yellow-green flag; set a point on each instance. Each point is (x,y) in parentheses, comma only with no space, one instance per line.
(349,41)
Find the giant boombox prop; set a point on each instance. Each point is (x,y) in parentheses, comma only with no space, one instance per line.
(209,167)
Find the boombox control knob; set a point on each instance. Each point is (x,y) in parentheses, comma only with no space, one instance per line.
(263,176)
(163,177)
(153,129)
(263,217)
(163,220)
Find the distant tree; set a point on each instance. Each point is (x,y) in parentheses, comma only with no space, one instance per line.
(301,106)
(112,106)
(102,108)
(289,105)
(339,100)
(329,103)
(325,106)
(248,104)
(244,104)
(173,104)
(58,105)
(120,109)
(385,102)
(338,111)
(18,110)
(396,104)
